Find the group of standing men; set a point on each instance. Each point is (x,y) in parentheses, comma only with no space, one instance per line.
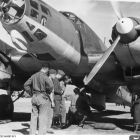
(46,88)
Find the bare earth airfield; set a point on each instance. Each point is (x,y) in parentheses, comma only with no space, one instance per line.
(116,116)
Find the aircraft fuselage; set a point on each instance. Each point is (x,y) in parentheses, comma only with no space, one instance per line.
(60,39)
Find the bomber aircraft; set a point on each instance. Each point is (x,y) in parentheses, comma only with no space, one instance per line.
(64,41)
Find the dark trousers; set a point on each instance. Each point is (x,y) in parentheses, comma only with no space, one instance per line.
(57,101)
(42,114)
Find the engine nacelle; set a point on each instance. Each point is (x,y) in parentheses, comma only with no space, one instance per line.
(12,10)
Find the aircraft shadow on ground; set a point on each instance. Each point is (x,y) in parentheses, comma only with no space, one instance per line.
(96,117)
(102,117)
(21,116)
(109,112)
(24,131)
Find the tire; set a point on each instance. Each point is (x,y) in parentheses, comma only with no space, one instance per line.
(6,107)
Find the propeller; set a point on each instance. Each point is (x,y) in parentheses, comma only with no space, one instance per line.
(100,63)
(117,10)
(124,32)
(137,27)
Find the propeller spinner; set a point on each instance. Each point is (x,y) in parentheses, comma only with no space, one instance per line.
(125,27)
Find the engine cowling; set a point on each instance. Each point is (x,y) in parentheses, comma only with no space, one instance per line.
(125,28)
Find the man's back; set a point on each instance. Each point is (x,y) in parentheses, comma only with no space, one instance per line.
(41,87)
(39,82)
(57,87)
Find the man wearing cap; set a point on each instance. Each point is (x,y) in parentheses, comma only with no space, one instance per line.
(59,114)
(41,88)
(61,77)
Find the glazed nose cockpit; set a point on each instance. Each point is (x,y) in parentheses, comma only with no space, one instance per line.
(11,10)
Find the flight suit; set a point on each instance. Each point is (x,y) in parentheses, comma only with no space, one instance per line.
(40,86)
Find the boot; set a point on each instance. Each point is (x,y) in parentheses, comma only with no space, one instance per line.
(81,124)
(63,126)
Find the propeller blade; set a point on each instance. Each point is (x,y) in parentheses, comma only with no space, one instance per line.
(100,63)
(117,10)
(137,27)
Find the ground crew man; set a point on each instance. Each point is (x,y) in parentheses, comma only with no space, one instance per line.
(79,109)
(83,108)
(40,87)
(57,96)
(61,77)
(59,113)
(71,116)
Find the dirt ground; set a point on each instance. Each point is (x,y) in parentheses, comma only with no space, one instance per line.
(116,116)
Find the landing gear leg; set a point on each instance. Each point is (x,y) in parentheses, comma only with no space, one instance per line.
(6,108)
(135,110)
(136,115)
(11,104)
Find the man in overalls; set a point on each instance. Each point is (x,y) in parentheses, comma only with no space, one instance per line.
(40,87)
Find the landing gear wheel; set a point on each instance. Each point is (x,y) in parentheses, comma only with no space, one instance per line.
(6,109)
(136,115)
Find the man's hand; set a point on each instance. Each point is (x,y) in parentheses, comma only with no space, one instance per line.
(52,104)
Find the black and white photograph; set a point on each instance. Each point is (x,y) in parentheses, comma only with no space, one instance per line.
(69,67)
